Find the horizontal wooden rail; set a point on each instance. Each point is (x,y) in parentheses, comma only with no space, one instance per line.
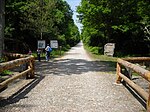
(14,55)
(133,59)
(11,79)
(141,71)
(14,63)
(123,63)
(133,85)
(29,72)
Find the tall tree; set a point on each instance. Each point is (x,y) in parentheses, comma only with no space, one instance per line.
(27,20)
(119,21)
(2,22)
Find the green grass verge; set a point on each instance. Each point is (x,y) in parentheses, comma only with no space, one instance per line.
(99,56)
(103,59)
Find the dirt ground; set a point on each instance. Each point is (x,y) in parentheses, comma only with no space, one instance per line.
(73,83)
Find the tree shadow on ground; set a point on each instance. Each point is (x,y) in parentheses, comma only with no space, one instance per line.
(74,66)
(22,92)
(60,68)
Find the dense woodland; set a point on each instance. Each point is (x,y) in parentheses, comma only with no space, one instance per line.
(124,22)
(27,21)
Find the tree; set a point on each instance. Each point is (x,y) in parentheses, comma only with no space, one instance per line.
(2,3)
(27,20)
(115,21)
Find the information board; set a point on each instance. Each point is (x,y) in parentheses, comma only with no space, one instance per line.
(41,44)
(54,44)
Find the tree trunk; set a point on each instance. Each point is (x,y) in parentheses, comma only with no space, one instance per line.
(2,23)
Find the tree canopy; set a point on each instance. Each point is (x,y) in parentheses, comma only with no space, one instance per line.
(124,22)
(30,20)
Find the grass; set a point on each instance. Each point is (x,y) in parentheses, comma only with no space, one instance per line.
(6,72)
(100,57)
(107,60)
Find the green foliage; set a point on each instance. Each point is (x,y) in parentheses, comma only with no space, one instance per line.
(2,60)
(66,48)
(7,72)
(95,50)
(28,21)
(124,22)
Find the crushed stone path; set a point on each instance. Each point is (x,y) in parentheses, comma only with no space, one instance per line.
(74,83)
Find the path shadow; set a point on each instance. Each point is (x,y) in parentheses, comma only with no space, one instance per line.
(21,94)
(74,66)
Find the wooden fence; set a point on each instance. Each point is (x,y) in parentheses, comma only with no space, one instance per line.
(28,72)
(128,66)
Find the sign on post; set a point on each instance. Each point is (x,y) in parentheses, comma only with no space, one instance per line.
(54,44)
(41,44)
(109,49)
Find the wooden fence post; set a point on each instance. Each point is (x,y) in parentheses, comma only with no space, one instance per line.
(32,66)
(118,81)
(148,101)
(27,67)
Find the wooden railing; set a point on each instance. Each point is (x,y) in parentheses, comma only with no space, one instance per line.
(12,56)
(128,66)
(28,61)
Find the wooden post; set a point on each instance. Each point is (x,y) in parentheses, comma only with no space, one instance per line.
(118,81)
(148,101)
(60,49)
(32,67)
(29,65)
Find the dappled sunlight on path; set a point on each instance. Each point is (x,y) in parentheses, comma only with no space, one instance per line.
(76,61)
(73,66)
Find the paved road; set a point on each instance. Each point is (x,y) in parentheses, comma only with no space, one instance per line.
(73,83)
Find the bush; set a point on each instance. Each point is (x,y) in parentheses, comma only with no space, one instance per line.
(95,50)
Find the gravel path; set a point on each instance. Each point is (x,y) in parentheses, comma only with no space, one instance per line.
(74,83)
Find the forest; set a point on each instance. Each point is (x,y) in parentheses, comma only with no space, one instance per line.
(27,21)
(123,22)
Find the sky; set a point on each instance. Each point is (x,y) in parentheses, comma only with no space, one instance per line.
(73,4)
